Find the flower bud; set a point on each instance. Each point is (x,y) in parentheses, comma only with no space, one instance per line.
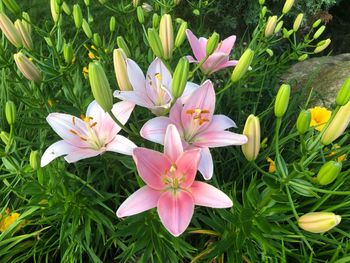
(180,77)
(122,44)
(12,6)
(34,160)
(59,2)
(319,32)
(27,67)
(87,2)
(343,95)
(261,2)
(328,172)
(287,6)
(25,35)
(212,43)
(54,10)
(322,45)
(303,57)
(181,34)
(48,41)
(316,23)
(120,69)
(270,52)
(77,16)
(87,29)
(287,33)
(10,31)
(97,40)
(196,12)
(278,26)
(242,65)
(303,121)
(338,125)
(10,112)
(252,131)
(297,22)
(5,137)
(270,26)
(100,87)
(66,9)
(103,1)
(68,53)
(112,24)
(155,20)
(282,100)
(147,7)
(135,3)
(26,22)
(166,35)
(263,11)
(318,222)
(140,15)
(155,42)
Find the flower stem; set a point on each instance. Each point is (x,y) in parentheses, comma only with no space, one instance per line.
(124,128)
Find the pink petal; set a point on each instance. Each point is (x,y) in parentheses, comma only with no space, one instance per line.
(158,67)
(143,199)
(205,166)
(175,115)
(220,123)
(136,97)
(227,64)
(151,166)
(197,49)
(122,111)
(136,77)
(82,153)
(56,150)
(214,61)
(175,211)
(154,129)
(189,89)
(191,59)
(187,166)
(207,195)
(172,143)
(226,45)
(120,144)
(219,139)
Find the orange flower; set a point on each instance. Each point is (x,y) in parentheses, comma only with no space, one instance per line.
(319,117)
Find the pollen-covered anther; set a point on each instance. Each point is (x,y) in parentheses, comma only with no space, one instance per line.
(93,125)
(158,76)
(172,168)
(198,115)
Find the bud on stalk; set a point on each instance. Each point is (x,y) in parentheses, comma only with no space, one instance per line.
(112,24)
(322,45)
(303,121)
(66,9)
(155,20)
(278,26)
(282,100)
(122,44)
(87,29)
(318,222)
(140,15)
(68,53)
(25,35)
(55,9)
(12,6)
(166,35)
(303,57)
(180,77)
(297,22)
(27,67)
(212,43)
(242,65)
(34,160)
(270,26)
(155,43)
(319,32)
(5,137)
(77,16)
(10,31)
(316,23)
(252,131)
(97,40)
(287,6)
(328,172)
(343,95)
(120,69)
(26,22)
(181,34)
(10,112)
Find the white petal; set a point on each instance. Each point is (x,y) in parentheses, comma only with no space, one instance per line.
(56,150)
(120,144)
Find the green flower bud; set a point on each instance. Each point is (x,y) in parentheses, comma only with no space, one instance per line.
(100,86)
(263,11)
(270,52)
(316,23)
(319,32)
(155,43)
(12,6)
(328,172)
(287,33)
(278,26)
(26,22)
(155,20)
(196,12)
(122,44)
(212,43)
(120,69)
(68,53)
(48,41)
(103,1)
(166,35)
(287,6)
(261,2)
(25,35)
(140,15)
(318,222)
(282,100)
(322,45)
(180,77)
(181,34)
(5,137)
(10,31)
(10,112)
(87,29)
(66,9)
(242,65)
(303,121)
(270,26)
(343,95)
(135,3)
(34,160)
(297,22)
(87,2)
(303,57)
(252,131)
(77,16)
(59,2)
(112,24)
(338,125)
(97,40)
(27,68)
(55,10)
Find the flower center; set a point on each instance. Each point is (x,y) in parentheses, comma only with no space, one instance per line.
(172,180)
(157,92)
(199,115)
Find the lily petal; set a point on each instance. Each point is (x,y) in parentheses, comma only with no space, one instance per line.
(143,199)
(189,89)
(120,144)
(187,165)
(136,97)
(136,77)
(175,211)
(227,64)
(207,195)
(219,139)
(175,115)
(191,59)
(214,61)
(154,129)
(158,67)
(206,167)
(122,111)
(172,143)
(82,153)
(219,123)
(197,49)
(226,45)
(55,150)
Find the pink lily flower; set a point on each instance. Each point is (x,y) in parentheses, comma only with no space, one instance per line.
(154,91)
(89,135)
(216,61)
(198,126)
(170,185)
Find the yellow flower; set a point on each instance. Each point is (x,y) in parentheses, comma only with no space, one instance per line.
(272,166)
(85,72)
(319,117)
(50,102)
(91,55)
(334,151)
(7,220)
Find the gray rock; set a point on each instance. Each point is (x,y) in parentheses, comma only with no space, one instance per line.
(324,75)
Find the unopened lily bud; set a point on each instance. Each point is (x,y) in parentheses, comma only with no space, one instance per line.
(297,22)
(270,26)
(338,125)
(59,2)
(97,40)
(287,6)
(122,44)
(100,86)
(287,33)
(34,160)
(263,11)
(48,41)
(68,53)
(322,45)
(120,69)
(181,34)
(270,52)
(343,95)
(166,35)
(26,22)
(27,67)
(10,112)
(147,7)
(196,12)
(87,29)
(242,65)
(77,16)
(87,2)
(252,131)
(282,100)
(135,3)
(278,26)
(319,32)
(318,222)
(12,6)
(212,43)
(140,15)
(112,24)
(155,20)
(316,23)
(303,57)
(5,137)
(10,31)
(328,172)
(261,2)
(155,43)
(303,121)
(54,10)
(180,77)
(25,35)
(66,9)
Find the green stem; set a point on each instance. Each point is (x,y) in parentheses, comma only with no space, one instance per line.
(127,130)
